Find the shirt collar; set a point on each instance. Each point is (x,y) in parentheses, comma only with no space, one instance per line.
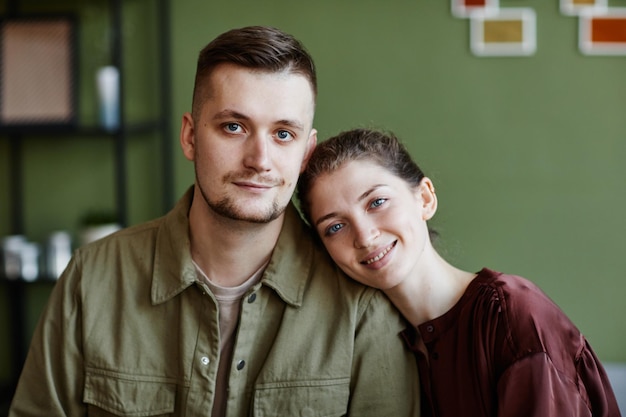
(287,273)
(290,269)
(173,266)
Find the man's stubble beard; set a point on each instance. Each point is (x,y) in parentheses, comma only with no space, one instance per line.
(227,208)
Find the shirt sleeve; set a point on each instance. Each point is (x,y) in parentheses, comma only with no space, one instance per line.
(384,373)
(601,396)
(51,381)
(534,387)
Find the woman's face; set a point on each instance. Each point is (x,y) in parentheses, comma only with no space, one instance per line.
(372,223)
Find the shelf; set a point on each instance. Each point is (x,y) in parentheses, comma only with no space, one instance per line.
(20,291)
(64,130)
(41,279)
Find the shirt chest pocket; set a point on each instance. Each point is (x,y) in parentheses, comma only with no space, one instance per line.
(310,399)
(107,395)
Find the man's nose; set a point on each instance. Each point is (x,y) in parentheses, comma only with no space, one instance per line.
(257,152)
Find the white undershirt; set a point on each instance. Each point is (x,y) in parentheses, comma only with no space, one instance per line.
(229,302)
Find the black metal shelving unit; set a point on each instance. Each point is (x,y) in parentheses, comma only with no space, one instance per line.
(17,288)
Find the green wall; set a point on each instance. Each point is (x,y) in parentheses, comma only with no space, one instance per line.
(527,153)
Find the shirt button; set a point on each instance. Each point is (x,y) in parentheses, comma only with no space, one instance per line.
(251,298)
(205,360)
(430,328)
(241,364)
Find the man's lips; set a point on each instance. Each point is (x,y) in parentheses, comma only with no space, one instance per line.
(259,184)
(378,255)
(254,185)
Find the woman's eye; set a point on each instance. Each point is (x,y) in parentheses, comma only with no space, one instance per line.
(334,229)
(233,127)
(283,135)
(378,202)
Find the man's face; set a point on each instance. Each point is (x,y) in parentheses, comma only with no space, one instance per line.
(250,141)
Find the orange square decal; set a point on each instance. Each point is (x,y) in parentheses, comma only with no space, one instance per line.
(604,33)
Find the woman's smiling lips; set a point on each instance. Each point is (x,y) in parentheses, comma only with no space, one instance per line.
(378,255)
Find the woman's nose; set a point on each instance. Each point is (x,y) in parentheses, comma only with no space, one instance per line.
(365,235)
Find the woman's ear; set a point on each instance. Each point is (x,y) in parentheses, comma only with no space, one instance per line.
(428,198)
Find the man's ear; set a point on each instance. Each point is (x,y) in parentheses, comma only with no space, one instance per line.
(310,146)
(188,136)
(428,198)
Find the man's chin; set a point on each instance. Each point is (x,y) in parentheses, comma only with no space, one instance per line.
(250,214)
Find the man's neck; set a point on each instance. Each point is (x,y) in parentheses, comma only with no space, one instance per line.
(230,251)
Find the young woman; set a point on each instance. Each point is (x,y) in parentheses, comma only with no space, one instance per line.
(486,343)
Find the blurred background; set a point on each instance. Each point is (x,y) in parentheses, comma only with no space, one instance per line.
(527,152)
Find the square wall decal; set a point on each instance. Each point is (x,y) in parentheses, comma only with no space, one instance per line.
(577,7)
(503,32)
(463,8)
(37,71)
(603,33)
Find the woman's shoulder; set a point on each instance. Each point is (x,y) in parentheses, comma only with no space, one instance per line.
(516,291)
(532,320)
(510,282)
(518,296)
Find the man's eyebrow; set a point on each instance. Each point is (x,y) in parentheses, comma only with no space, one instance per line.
(230,114)
(291,123)
(233,114)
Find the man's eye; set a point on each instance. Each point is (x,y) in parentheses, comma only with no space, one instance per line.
(233,127)
(284,135)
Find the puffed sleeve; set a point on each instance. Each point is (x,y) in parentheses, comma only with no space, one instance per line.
(600,394)
(534,387)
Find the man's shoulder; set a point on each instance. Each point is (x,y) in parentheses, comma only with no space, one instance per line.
(132,236)
(170,227)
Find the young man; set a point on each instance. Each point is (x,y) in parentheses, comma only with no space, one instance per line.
(225,306)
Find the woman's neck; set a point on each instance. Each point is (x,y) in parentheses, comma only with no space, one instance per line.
(431,291)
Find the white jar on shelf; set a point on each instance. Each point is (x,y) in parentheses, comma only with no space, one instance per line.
(59,253)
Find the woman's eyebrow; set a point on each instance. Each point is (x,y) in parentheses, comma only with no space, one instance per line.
(369,191)
(360,198)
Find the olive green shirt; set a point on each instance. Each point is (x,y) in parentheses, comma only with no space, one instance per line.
(129,330)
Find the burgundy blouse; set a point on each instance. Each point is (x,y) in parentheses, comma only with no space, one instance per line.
(505,349)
